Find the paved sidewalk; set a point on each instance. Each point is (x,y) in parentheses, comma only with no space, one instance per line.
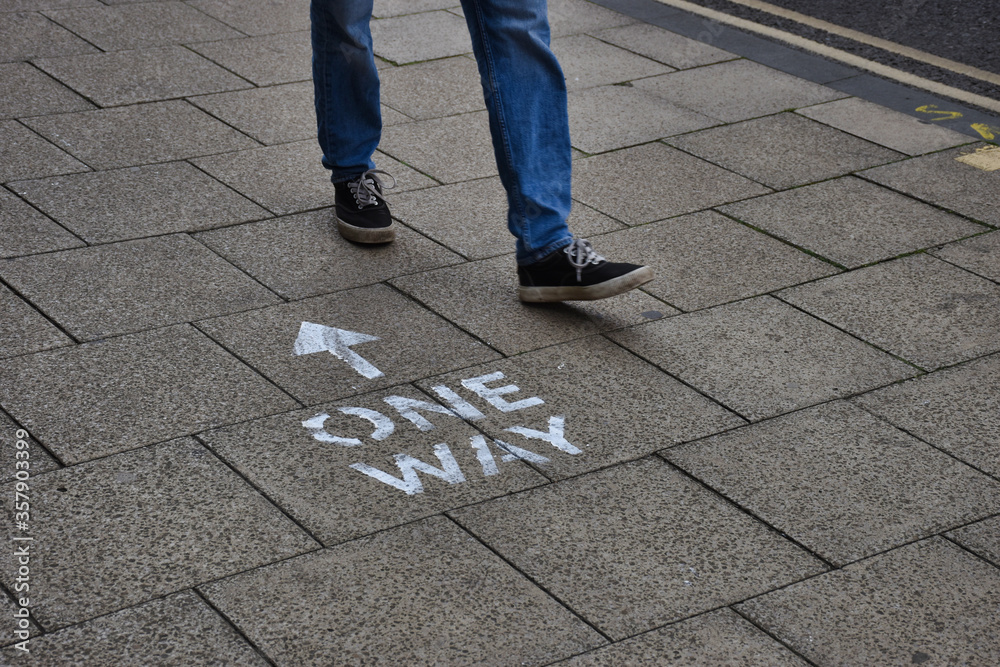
(784,450)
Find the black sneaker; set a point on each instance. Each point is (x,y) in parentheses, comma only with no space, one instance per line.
(362,214)
(577,273)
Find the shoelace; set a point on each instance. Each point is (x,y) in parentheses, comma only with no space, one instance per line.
(580,254)
(368,187)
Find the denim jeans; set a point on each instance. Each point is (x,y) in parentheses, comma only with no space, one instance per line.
(525,96)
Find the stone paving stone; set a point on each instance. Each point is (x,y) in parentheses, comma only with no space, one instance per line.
(607,403)
(24,154)
(140,134)
(387,8)
(272,115)
(919,308)
(138,525)
(980,255)
(673,183)
(412,343)
(956,409)
(609,117)
(839,481)
(173,631)
(258,17)
(23,329)
(704,259)
(570,17)
(889,128)
(636,546)
(405,39)
(481,297)
(133,202)
(471,217)
(588,62)
(314,481)
(717,638)
(141,25)
(784,150)
(738,90)
(664,46)
(303,255)
(25,231)
(266,60)
(38,459)
(422,594)
(433,89)
(141,285)
(851,221)
(38,5)
(31,35)
(983,538)
(25,91)
(431,146)
(761,357)
(127,77)
(928,602)
(940,179)
(100,398)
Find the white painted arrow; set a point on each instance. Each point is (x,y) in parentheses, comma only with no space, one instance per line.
(319,338)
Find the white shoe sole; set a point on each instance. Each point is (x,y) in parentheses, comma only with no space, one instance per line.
(612,287)
(367,234)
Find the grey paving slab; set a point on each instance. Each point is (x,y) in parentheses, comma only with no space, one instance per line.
(421,594)
(605,405)
(28,35)
(25,231)
(24,154)
(609,117)
(177,630)
(841,482)
(258,17)
(636,546)
(128,77)
(940,179)
(26,91)
(673,183)
(23,330)
(387,8)
(32,458)
(266,60)
(664,46)
(884,126)
(405,39)
(141,285)
(587,62)
(37,5)
(737,90)
(329,488)
(704,259)
(956,409)
(141,25)
(272,115)
(471,217)
(104,397)
(983,538)
(303,255)
(570,17)
(920,308)
(142,524)
(430,146)
(716,638)
(980,255)
(133,202)
(851,221)
(761,357)
(139,134)
(784,150)
(928,602)
(411,343)
(481,297)
(433,89)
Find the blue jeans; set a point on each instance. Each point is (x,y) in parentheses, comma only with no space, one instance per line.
(525,96)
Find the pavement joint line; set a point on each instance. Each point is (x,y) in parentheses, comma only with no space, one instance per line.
(232,626)
(967,549)
(72,32)
(17,422)
(221,66)
(861,174)
(773,636)
(47,216)
(41,312)
(957,266)
(240,270)
(803,249)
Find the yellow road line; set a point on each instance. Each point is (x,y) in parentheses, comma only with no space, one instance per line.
(837,54)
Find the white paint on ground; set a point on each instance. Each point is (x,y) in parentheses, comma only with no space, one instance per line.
(409,467)
(315,426)
(461,406)
(484,456)
(320,338)
(493,395)
(517,454)
(384,427)
(554,437)
(408,408)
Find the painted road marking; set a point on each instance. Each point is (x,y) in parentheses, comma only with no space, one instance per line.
(314,338)
(986,158)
